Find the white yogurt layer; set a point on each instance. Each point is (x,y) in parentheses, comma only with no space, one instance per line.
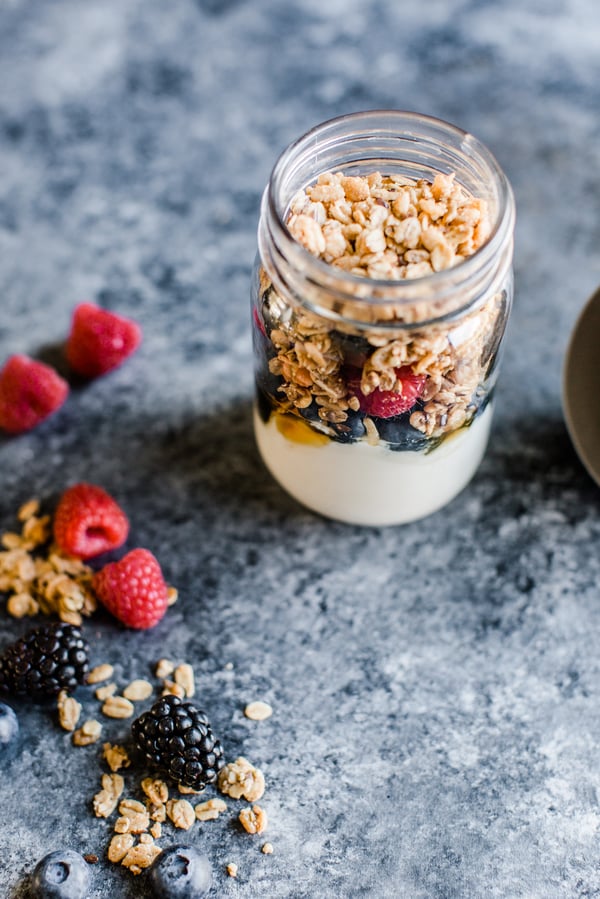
(372,485)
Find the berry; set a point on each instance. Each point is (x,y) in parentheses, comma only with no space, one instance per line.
(9,728)
(29,392)
(100,340)
(180,872)
(177,738)
(401,436)
(45,661)
(387,403)
(62,874)
(88,522)
(133,589)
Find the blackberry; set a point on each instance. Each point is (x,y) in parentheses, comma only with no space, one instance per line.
(45,661)
(177,738)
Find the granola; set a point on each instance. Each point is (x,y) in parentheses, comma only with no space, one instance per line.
(181,812)
(253,820)
(38,577)
(383,228)
(240,779)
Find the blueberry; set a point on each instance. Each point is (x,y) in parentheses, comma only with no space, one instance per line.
(401,435)
(63,874)
(351,429)
(9,728)
(181,872)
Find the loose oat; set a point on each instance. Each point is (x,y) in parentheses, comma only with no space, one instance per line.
(181,813)
(240,779)
(105,802)
(156,790)
(157,813)
(172,689)
(172,596)
(103,693)
(69,711)
(118,707)
(134,817)
(258,711)
(119,846)
(88,733)
(116,757)
(164,668)
(232,869)
(184,677)
(267,849)
(141,856)
(138,690)
(156,830)
(253,820)
(100,673)
(210,810)
(189,791)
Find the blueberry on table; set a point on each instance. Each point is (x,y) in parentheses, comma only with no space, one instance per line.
(181,872)
(62,874)
(9,728)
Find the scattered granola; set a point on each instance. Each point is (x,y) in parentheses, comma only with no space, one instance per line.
(267,849)
(138,690)
(141,856)
(134,817)
(171,688)
(103,693)
(232,869)
(156,790)
(37,577)
(253,820)
(164,668)
(119,846)
(258,711)
(241,780)
(88,733)
(184,677)
(69,711)
(181,813)
(118,707)
(105,802)
(208,811)
(100,673)
(116,757)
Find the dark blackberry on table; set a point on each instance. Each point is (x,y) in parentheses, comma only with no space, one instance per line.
(45,661)
(177,738)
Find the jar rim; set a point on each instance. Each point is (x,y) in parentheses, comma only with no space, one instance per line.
(400,124)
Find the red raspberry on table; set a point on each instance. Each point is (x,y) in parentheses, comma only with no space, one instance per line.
(100,340)
(30,391)
(88,522)
(133,589)
(388,403)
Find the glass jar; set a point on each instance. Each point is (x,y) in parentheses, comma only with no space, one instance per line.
(380,297)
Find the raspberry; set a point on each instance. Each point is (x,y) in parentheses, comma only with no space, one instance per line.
(387,403)
(29,392)
(100,340)
(88,522)
(133,589)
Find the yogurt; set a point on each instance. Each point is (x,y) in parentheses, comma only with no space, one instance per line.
(369,485)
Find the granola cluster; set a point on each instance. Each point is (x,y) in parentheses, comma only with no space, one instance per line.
(38,577)
(138,820)
(390,228)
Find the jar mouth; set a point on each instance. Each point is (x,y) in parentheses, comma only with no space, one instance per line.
(364,142)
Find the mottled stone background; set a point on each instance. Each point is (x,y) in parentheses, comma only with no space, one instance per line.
(435,686)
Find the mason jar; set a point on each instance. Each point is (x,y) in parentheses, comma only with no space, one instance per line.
(380,296)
